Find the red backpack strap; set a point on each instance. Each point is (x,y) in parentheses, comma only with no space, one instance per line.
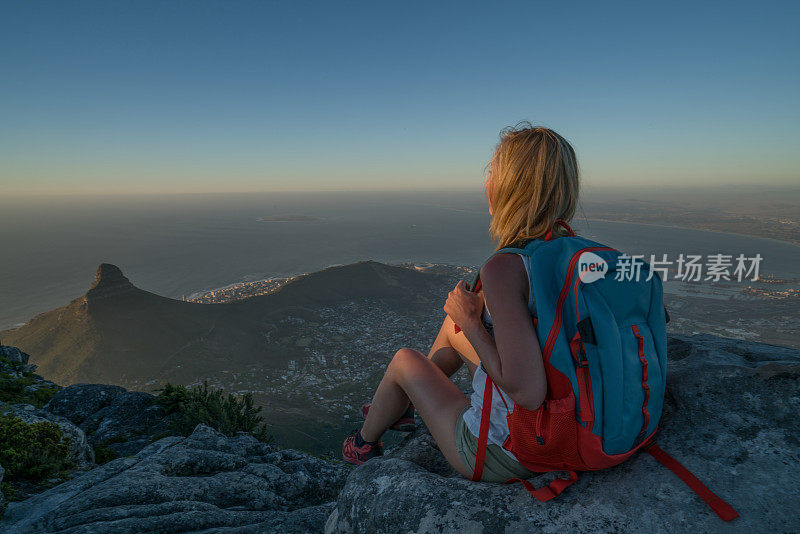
(483,434)
(562,223)
(551,491)
(724,510)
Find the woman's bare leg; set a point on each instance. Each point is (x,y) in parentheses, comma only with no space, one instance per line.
(412,376)
(448,359)
(451,350)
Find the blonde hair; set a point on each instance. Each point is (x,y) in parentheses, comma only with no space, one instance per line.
(533,181)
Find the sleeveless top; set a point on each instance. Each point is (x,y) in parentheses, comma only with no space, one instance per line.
(501,402)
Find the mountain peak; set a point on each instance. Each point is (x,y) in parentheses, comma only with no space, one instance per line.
(108,282)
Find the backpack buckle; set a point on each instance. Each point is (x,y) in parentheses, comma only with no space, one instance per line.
(586,331)
(584,360)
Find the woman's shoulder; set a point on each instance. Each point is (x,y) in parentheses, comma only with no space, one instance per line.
(503,263)
(504,270)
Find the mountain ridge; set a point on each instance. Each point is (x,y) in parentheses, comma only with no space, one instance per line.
(119,333)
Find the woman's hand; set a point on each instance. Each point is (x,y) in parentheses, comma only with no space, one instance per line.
(464,307)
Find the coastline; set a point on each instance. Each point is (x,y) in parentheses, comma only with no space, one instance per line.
(682,227)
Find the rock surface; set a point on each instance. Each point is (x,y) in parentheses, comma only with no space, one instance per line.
(14,364)
(123,420)
(205,481)
(732,417)
(109,282)
(13,355)
(90,414)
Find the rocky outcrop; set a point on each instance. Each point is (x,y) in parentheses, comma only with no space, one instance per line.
(14,365)
(81,401)
(88,414)
(18,375)
(13,355)
(80,453)
(125,421)
(109,282)
(732,416)
(204,481)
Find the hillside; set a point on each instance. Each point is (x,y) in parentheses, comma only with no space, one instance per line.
(119,333)
(309,352)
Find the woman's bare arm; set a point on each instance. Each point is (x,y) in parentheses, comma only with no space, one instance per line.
(513,358)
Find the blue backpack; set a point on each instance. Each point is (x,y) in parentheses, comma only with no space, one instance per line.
(601,322)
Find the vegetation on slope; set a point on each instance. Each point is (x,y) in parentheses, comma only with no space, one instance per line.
(15,384)
(31,452)
(103,453)
(228,414)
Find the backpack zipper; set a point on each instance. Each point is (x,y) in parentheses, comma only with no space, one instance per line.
(556,327)
(587,403)
(539,436)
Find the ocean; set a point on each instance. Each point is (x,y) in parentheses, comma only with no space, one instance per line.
(176,245)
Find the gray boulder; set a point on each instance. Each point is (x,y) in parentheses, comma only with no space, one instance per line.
(125,421)
(732,417)
(80,401)
(81,452)
(200,483)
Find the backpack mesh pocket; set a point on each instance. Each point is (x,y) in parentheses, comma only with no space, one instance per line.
(546,437)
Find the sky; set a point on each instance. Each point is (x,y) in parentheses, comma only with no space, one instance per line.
(174,97)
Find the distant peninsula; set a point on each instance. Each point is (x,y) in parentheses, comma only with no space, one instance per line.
(288,218)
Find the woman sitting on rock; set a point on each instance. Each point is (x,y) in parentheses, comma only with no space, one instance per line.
(532,182)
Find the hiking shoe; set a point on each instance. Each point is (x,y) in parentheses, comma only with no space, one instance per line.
(358,455)
(406,422)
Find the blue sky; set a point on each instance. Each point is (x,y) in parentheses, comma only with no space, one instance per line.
(111,97)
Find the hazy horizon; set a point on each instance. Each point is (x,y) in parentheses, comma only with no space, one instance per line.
(641,190)
(179,244)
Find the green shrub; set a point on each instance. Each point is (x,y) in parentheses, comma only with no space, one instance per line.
(32,451)
(103,453)
(228,414)
(12,388)
(7,490)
